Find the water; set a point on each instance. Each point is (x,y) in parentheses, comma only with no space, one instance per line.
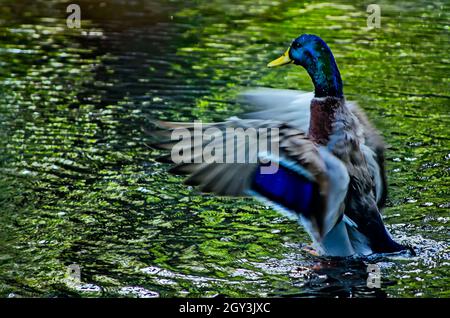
(79,185)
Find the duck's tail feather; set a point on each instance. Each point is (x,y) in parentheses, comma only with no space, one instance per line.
(373,236)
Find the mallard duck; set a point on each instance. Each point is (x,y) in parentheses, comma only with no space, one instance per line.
(330,172)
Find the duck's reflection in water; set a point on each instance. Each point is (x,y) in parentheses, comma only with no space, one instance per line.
(339,277)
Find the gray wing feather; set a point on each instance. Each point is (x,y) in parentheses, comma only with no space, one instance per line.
(284,105)
(234,179)
(374,141)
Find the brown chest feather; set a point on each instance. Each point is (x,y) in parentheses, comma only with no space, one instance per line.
(323,115)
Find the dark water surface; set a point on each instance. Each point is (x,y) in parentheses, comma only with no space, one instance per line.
(78,185)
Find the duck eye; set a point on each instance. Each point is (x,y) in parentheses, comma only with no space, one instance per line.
(296,45)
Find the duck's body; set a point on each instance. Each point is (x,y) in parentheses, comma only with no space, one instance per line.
(357,180)
(331,160)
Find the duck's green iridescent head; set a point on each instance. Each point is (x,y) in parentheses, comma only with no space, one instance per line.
(311,52)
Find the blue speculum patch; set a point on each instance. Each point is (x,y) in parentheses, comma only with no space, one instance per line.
(288,189)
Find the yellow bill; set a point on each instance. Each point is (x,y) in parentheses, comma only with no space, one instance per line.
(282,60)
